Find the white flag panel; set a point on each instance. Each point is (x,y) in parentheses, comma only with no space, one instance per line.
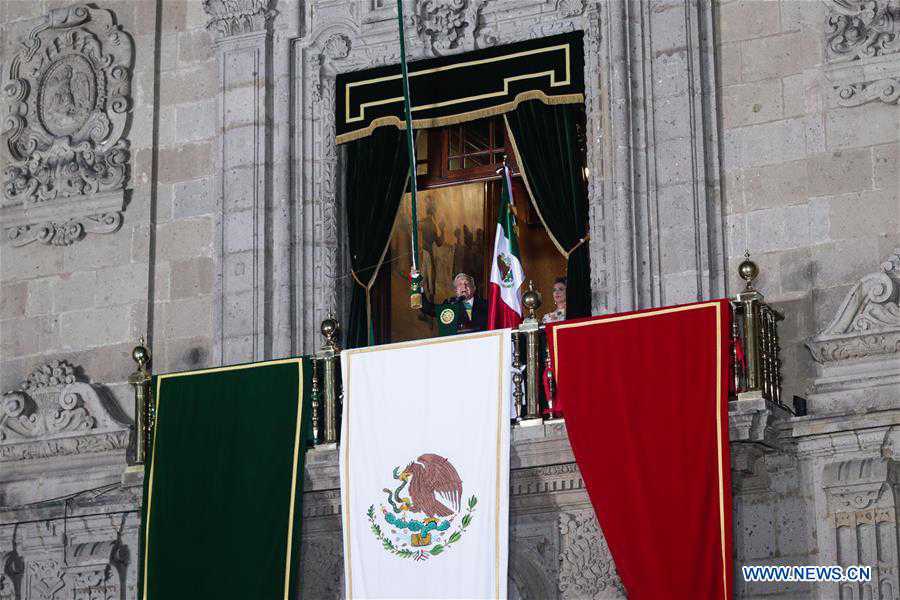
(425,468)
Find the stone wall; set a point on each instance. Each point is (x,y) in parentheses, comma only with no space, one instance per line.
(810,181)
(205,213)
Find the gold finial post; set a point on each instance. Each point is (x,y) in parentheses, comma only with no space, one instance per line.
(748,271)
(531,330)
(328,387)
(531,300)
(141,431)
(758,370)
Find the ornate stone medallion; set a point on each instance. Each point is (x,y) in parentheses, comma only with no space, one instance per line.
(69,97)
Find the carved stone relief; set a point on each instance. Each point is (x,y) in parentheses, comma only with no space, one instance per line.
(12,568)
(234,17)
(867,325)
(68,96)
(95,570)
(44,578)
(861,37)
(862,506)
(586,565)
(84,557)
(860,29)
(447,25)
(53,413)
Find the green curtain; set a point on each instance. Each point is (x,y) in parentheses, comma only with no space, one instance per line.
(376,177)
(222,491)
(550,156)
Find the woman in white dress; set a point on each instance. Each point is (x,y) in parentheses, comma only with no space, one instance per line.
(559,298)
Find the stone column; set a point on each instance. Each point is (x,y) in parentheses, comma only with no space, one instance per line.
(862,503)
(244,164)
(850,437)
(662,183)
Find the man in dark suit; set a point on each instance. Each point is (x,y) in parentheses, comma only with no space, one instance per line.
(472,310)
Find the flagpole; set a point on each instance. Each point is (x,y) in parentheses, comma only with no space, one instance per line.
(415,279)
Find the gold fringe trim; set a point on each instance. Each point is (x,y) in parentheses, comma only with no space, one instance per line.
(499,109)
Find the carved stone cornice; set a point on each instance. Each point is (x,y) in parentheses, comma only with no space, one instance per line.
(858,484)
(321,503)
(862,38)
(236,17)
(89,557)
(840,435)
(867,324)
(756,420)
(68,97)
(548,479)
(92,443)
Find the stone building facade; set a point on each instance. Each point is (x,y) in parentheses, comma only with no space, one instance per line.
(169,171)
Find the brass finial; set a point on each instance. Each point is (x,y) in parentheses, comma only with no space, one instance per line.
(531,299)
(330,330)
(748,270)
(141,355)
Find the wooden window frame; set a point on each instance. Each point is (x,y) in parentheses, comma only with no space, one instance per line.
(439,173)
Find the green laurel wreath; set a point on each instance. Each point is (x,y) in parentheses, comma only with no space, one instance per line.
(437,548)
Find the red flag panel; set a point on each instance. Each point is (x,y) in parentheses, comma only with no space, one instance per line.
(646,408)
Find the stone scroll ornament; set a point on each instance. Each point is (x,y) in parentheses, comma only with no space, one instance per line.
(56,413)
(68,96)
(860,37)
(867,325)
(50,402)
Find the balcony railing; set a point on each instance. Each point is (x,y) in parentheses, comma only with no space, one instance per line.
(755,360)
(756,363)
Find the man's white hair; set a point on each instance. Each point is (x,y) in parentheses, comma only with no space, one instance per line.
(465,276)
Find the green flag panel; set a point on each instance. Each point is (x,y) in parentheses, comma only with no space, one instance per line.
(221,516)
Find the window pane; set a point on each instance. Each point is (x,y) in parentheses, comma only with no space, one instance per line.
(455,146)
(454,164)
(478,136)
(422,146)
(499,134)
(477,160)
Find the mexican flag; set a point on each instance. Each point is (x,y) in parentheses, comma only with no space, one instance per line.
(424,468)
(504,300)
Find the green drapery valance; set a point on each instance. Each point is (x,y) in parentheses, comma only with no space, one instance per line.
(463,87)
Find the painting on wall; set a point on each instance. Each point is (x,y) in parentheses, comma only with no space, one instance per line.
(451,240)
